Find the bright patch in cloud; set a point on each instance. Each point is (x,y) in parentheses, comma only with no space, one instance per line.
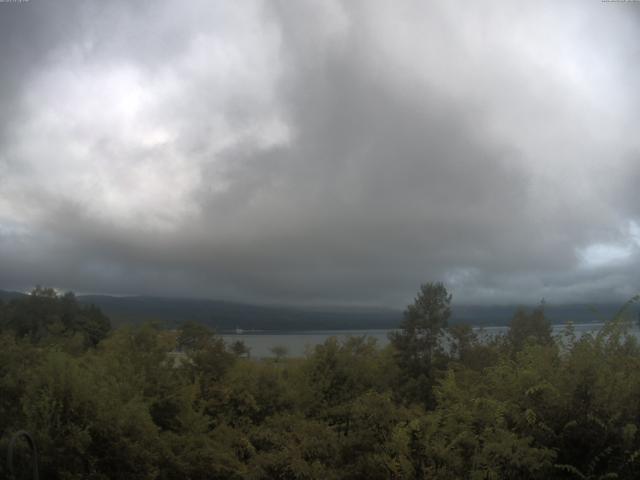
(603,255)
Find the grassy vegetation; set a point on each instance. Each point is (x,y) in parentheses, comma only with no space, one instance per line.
(120,404)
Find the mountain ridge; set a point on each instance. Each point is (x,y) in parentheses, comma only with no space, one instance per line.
(226,315)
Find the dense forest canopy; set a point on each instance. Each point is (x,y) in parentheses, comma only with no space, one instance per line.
(439,401)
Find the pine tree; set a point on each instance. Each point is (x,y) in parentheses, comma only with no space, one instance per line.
(418,340)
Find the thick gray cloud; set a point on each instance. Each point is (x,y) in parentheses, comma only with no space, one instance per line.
(339,152)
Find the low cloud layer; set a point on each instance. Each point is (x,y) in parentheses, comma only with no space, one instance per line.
(321,152)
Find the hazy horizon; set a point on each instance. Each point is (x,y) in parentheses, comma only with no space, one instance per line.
(311,306)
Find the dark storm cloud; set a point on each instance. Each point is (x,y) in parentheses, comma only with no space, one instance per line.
(334,152)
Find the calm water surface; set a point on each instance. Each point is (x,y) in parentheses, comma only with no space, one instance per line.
(298,343)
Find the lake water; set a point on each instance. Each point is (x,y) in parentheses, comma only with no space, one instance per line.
(297,343)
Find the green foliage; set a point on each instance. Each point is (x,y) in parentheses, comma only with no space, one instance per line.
(44,317)
(279,352)
(531,328)
(418,341)
(240,349)
(438,402)
(292,447)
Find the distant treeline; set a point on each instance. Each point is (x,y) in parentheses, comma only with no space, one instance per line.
(143,402)
(226,316)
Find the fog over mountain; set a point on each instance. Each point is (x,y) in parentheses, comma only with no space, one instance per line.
(322,152)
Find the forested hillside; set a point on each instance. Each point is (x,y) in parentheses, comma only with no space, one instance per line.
(147,403)
(222,315)
(227,316)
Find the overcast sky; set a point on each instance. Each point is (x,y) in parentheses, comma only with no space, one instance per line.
(322,151)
